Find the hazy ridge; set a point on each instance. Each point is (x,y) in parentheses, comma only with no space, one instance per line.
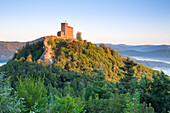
(7,49)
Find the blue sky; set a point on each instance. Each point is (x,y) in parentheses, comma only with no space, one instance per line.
(108,21)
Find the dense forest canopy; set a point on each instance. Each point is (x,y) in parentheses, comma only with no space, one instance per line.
(83,78)
(84,58)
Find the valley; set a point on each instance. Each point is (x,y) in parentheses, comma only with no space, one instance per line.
(154,56)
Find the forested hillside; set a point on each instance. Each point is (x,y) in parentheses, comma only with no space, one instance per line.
(8,49)
(85,57)
(83,78)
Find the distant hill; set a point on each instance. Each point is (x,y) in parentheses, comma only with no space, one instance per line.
(7,49)
(163,54)
(157,52)
(140,48)
(154,52)
(151,64)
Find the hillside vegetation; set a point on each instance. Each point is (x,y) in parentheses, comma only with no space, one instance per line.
(8,49)
(85,57)
(83,78)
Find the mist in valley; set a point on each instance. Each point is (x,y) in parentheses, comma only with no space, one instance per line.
(165,70)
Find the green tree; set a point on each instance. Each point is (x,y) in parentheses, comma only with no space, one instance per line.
(99,87)
(78,35)
(9,101)
(159,93)
(66,105)
(34,93)
(115,104)
(128,82)
(102,45)
(144,87)
(133,104)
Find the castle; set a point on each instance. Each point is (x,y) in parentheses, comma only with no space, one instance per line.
(66,31)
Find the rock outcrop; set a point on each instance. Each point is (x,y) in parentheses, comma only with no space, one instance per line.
(47,54)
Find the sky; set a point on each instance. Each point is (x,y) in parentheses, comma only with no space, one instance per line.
(133,22)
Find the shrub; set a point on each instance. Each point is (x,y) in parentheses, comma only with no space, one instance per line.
(112,105)
(66,105)
(133,104)
(9,102)
(34,93)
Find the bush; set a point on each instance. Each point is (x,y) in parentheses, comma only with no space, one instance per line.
(112,105)
(133,104)
(9,103)
(66,105)
(34,93)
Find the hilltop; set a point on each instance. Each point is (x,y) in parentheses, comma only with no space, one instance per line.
(80,57)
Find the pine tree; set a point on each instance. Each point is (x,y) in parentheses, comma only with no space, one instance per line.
(98,87)
(159,93)
(144,87)
(128,83)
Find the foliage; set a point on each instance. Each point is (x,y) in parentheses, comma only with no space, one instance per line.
(9,101)
(102,45)
(29,58)
(113,105)
(156,92)
(34,93)
(128,82)
(118,103)
(35,49)
(78,35)
(133,104)
(85,57)
(64,81)
(66,105)
(74,70)
(98,87)
(144,87)
(159,95)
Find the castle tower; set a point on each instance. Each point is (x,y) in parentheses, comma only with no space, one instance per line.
(64,28)
(66,31)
